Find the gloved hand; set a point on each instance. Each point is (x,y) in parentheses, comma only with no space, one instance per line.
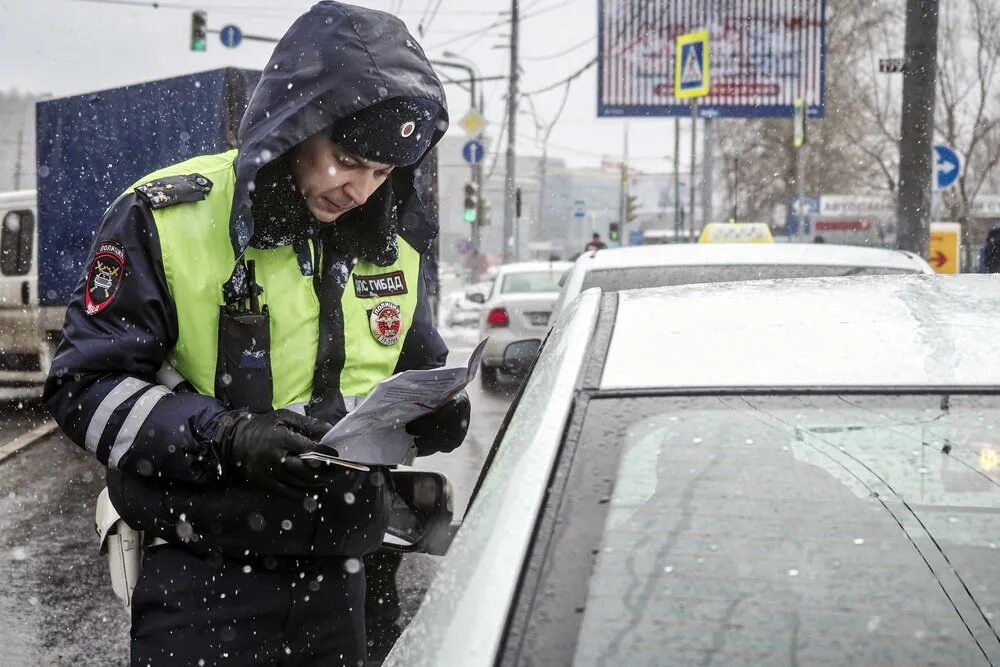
(442,430)
(264,449)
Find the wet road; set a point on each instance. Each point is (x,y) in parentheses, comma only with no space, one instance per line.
(55,594)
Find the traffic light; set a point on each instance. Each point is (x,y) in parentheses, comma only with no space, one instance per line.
(613,230)
(199,31)
(631,202)
(471,202)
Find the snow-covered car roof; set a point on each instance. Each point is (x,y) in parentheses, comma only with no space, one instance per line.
(523,267)
(878,331)
(699,254)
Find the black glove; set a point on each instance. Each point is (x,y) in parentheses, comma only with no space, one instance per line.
(264,449)
(442,430)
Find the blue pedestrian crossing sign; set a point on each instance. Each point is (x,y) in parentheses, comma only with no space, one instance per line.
(691,65)
(231,36)
(473,152)
(947,167)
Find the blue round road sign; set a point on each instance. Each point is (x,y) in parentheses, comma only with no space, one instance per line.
(473,152)
(947,167)
(231,36)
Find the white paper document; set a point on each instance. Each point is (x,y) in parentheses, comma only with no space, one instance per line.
(374,432)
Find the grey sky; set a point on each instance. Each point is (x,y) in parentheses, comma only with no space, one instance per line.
(65,47)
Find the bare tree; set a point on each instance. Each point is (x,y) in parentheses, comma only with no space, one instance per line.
(844,154)
(855,148)
(967,117)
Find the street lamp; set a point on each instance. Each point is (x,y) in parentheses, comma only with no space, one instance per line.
(473,205)
(474,76)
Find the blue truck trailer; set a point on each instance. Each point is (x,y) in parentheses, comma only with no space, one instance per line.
(90,148)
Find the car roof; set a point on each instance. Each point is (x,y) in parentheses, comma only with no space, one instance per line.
(878,331)
(699,254)
(522,267)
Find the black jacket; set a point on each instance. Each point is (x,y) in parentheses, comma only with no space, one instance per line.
(163,473)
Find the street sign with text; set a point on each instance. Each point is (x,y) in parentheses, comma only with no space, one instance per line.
(891,65)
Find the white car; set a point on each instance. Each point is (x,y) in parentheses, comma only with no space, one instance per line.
(752,473)
(518,307)
(683,264)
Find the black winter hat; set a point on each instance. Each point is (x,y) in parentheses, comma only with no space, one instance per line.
(397,131)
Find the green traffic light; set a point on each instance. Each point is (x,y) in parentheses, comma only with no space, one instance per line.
(199,45)
(470,215)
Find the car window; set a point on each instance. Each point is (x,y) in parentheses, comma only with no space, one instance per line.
(612,280)
(738,529)
(17,231)
(531,282)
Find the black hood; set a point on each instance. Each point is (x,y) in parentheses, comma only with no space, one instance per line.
(335,60)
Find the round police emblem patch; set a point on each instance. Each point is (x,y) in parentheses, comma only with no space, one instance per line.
(386,323)
(407,129)
(105,276)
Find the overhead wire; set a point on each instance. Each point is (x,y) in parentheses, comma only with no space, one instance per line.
(569,78)
(433,15)
(636,12)
(423,17)
(561,53)
(498,24)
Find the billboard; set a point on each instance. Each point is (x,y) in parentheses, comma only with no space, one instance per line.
(764,55)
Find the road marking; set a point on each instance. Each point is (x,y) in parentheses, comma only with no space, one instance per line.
(29,438)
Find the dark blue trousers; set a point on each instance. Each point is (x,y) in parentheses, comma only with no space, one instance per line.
(208,612)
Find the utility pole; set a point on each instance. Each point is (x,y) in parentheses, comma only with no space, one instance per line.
(694,158)
(476,167)
(677,179)
(913,203)
(706,172)
(623,190)
(539,209)
(508,201)
(736,190)
(477,243)
(19,159)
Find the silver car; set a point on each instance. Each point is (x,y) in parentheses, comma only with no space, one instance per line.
(518,307)
(683,264)
(791,472)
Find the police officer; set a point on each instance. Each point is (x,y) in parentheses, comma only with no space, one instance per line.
(221,290)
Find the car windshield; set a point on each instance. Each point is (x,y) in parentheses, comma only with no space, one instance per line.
(754,530)
(530,282)
(613,280)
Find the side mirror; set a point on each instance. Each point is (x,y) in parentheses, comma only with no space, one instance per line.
(475,297)
(517,357)
(421,513)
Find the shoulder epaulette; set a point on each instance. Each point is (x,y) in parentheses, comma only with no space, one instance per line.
(171,190)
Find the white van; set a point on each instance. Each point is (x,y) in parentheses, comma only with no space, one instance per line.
(24,354)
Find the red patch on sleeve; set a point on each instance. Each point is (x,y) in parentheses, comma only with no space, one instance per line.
(105,276)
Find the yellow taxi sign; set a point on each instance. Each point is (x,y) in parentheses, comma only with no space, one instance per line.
(736,232)
(944,246)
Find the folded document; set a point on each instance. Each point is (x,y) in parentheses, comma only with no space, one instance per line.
(374,433)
